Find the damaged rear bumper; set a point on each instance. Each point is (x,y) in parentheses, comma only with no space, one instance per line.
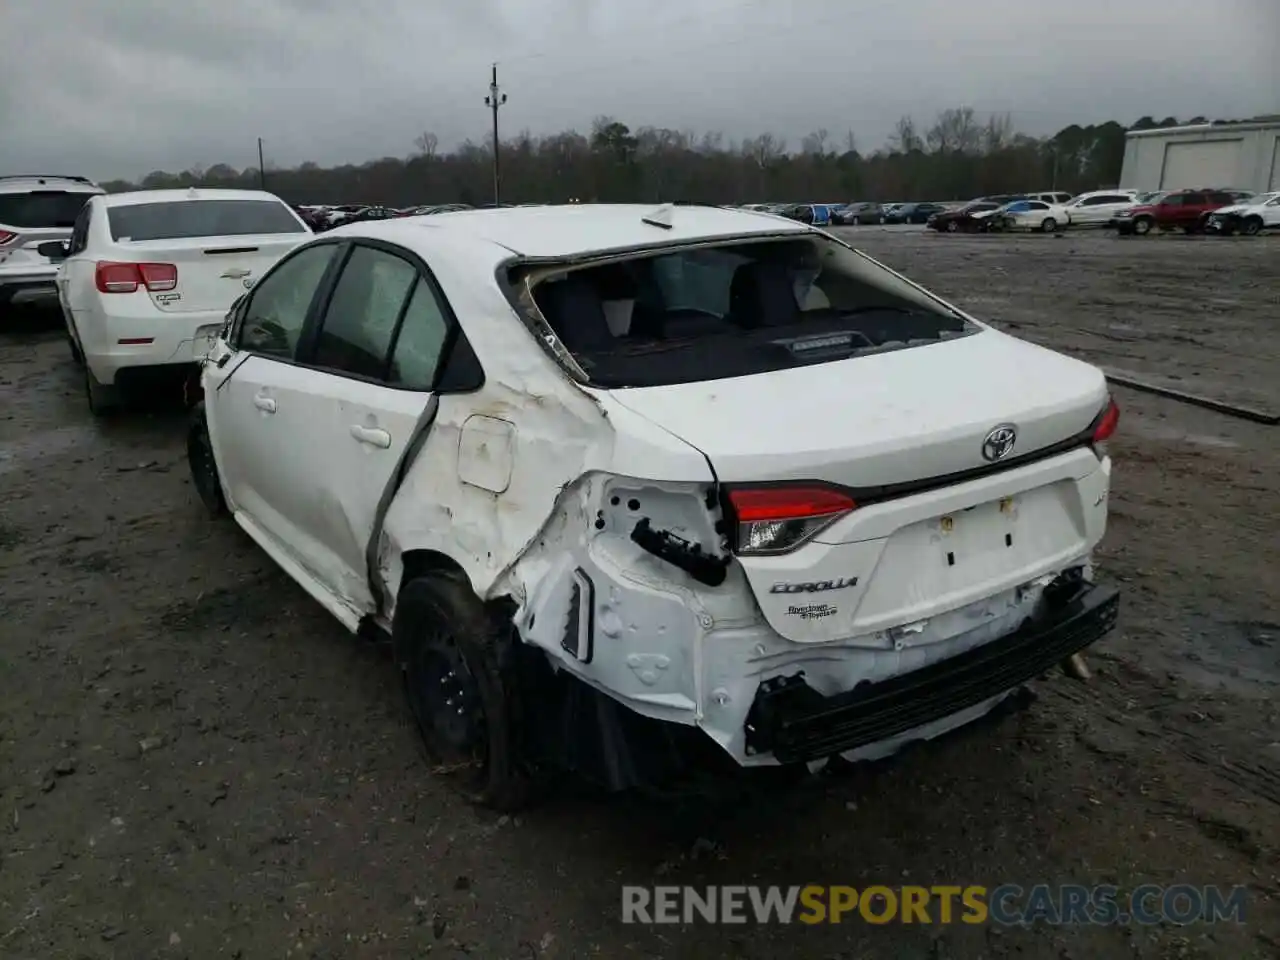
(794,722)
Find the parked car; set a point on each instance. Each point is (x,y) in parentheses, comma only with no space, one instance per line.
(973,217)
(1055,197)
(861,213)
(1250,218)
(799,212)
(1031,215)
(147,277)
(610,523)
(35,209)
(913,212)
(1098,208)
(1178,209)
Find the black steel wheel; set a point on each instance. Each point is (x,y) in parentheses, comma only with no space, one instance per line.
(203,464)
(462,692)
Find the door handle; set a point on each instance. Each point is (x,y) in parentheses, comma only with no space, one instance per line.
(371,435)
(265,404)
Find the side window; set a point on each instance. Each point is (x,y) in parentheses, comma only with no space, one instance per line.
(1038,205)
(80,232)
(421,341)
(278,305)
(1173,200)
(360,321)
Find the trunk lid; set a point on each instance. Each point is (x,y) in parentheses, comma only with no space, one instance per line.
(880,419)
(904,433)
(212,271)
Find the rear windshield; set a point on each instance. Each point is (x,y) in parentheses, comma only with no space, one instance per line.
(181,219)
(704,313)
(41,208)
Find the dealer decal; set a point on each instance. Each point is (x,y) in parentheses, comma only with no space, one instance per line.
(812,611)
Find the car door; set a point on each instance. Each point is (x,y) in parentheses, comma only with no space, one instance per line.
(370,358)
(1271,214)
(66,269)
(256,404)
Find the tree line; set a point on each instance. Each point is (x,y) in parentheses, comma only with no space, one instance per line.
(955,157)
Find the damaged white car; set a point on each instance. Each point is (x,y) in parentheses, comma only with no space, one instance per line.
(638,491)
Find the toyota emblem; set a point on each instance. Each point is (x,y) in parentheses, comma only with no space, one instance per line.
(999,442)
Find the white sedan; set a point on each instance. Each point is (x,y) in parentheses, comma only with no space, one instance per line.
(1033,215)
(148,276)
(608,477)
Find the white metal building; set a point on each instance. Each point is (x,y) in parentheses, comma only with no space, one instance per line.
(1243,155)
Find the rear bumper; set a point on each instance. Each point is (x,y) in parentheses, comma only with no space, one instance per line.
(28,282)
(794,722)
(116,345)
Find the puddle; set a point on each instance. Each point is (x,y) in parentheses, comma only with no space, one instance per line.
(1235,654)
(19,454)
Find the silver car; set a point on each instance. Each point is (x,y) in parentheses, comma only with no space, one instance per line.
(36,208)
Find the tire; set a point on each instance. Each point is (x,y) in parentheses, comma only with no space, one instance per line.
(1049,225)
(1142,226)
(952,226)
(203,464)
(103,400)
(462,690)
(1251,227)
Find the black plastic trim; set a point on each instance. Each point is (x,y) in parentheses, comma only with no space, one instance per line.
(795,723)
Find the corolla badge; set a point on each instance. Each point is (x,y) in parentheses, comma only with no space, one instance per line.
(999,442)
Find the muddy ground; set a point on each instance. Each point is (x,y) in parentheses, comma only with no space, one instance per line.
(196,762)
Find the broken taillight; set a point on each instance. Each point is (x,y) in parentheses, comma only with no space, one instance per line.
(776,519)
(6,237)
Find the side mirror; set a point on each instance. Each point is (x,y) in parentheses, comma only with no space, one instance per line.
(54,249)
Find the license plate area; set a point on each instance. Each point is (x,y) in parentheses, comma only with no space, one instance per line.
(978,532)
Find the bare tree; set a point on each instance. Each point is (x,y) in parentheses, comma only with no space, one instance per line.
(954,131)
(904,138)
(997,133)
(426,144)
(815,144)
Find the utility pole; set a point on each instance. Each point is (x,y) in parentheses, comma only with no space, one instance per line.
(262,170)
(493,101)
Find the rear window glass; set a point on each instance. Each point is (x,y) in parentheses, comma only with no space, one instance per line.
(181,219)
(41,208)
(727,311)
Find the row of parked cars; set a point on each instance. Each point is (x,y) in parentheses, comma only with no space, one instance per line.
(576,466)
(320,217)
(1130,212)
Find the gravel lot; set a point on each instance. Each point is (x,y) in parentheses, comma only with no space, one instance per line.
(196,762)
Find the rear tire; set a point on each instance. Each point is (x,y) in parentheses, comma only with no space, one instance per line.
(1251,227)
(103,400)
(1049,225)
(462,689)
(203,464)
(952,226)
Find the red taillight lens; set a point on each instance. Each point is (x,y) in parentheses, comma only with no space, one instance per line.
(127,277)
(1107,423)
(6,237)
(778,519)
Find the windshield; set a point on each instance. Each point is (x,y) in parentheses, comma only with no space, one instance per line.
(709,312)
(184,219)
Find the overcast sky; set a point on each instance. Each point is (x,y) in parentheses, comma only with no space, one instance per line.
(121,87)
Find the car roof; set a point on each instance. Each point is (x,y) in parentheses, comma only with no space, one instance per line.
(133,197)
(569,230)
(15,182)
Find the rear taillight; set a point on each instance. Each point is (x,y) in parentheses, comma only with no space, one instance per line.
(7,237)
(1105,426)
(112,277)
(1107,423)
(778,519)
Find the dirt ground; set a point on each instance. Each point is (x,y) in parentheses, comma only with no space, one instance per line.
(196,762)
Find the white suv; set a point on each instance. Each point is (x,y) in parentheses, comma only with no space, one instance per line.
(35,209)
(634,490)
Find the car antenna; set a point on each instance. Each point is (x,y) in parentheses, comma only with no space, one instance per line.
(662,217)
